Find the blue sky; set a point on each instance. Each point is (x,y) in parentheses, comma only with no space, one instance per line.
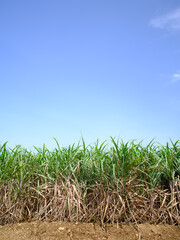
(94,68)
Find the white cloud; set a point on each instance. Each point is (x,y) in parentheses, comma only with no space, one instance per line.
(169,21)
(176,77)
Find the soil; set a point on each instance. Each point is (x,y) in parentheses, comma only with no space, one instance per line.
(87,231)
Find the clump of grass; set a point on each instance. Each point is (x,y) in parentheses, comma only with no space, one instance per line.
(126,182)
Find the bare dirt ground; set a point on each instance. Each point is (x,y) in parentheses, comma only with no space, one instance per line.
(87,231)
